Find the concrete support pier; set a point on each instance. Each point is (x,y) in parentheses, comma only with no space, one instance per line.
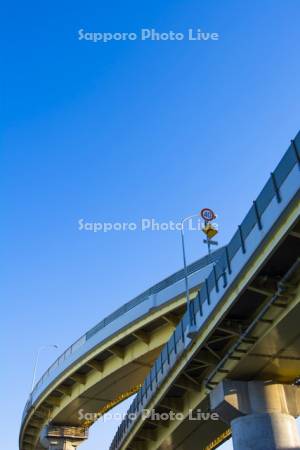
(261,414)
(62,437)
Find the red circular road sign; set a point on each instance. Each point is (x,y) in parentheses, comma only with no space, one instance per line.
(207,214)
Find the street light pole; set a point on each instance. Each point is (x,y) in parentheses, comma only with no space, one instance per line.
(191,325)
(37,360)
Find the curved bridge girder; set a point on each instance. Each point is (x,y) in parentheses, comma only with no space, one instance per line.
(254,302)
(105,376)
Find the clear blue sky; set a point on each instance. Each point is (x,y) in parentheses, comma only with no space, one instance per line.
(121,131)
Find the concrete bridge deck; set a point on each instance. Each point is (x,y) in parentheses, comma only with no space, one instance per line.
(246,318)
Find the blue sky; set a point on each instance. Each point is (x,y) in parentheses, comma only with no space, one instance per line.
(121,131)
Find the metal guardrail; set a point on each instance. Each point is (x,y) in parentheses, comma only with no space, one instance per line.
(179,341)
(177,276)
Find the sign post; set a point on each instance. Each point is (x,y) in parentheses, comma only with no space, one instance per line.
(209,229)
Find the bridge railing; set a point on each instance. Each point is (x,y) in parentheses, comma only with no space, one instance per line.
(169,281)
(217,281)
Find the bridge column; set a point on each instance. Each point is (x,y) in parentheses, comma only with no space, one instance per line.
(261,414)
(62,437)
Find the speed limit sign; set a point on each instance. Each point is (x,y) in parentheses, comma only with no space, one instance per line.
(207,214)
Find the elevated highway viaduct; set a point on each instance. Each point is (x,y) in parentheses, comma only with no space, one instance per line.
(109,363)
(238,344)
(242,358)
